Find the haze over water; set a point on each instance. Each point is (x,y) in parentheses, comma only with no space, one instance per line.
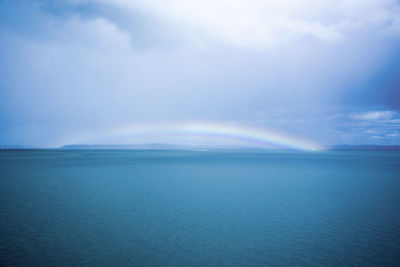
(193,208)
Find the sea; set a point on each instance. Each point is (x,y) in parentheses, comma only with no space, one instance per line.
(199,208)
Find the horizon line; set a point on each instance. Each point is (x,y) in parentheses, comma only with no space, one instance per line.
(170,146)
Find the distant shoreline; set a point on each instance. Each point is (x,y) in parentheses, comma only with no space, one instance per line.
(195,148)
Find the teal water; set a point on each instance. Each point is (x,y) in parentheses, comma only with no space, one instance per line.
(189,208)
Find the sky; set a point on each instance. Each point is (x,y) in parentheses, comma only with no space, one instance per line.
(78,71)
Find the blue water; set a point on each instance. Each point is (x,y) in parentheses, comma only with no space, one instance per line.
(190,208)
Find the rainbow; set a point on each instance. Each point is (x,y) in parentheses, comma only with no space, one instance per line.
(246,136)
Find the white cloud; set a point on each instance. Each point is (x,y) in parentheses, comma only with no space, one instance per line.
(260,23)
(376,137)
(371,131)
(373,115)
(97,33)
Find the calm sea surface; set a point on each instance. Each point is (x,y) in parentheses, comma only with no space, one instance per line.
(192,208)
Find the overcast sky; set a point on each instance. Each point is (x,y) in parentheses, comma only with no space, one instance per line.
(73,71)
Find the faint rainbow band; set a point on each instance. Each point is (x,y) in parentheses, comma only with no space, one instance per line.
(256,137)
